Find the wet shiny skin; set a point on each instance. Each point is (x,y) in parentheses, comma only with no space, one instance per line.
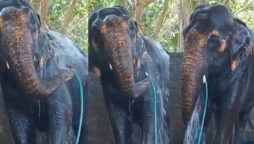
(148,59)
(51,53)
(226,60)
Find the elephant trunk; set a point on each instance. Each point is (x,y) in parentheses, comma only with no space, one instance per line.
(193,68)
(122,63)
(18,44)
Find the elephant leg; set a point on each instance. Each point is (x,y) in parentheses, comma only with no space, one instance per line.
(22,127)
(83,134)
(145,106)
(242,120)
(60,117)
(225,120)
(240,126)
(121,124)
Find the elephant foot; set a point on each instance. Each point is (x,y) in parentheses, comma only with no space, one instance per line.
(141,86)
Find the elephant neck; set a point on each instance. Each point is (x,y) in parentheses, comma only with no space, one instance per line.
(42,53)
(139,48)
(43,39)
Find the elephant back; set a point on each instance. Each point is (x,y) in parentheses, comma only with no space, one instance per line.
(66,54)
(156,62)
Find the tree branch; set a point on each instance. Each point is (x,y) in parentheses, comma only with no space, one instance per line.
(77,25)
(243,8)
(202,1)
(140,6)
(68,16)
(184,14)
(44,11)
(31,2)
(226,2)
(161,19)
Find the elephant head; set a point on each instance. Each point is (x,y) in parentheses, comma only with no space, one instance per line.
(19,30)
(214,42)
(119,40)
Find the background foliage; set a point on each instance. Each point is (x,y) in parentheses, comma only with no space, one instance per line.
(175,18)
(77,28)
(178,10)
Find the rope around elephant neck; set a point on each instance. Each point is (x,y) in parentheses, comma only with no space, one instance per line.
(81,108)
(155,113)
(204,112)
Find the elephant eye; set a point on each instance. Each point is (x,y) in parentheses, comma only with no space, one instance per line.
(133,35)
(31,19)
(213,42)
(215,39)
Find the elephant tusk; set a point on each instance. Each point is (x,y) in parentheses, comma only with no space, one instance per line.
(146,73)
(223,46)
(234,65)
(34,59)
(7,65)
(42,62)
(110,66)
(137,63)
(95,46)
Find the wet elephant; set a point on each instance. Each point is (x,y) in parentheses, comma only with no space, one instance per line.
(37,77)
(127,63)
(221,48)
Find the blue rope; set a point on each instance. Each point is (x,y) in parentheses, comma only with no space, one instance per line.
(204,113)
(155,113)
(81,108)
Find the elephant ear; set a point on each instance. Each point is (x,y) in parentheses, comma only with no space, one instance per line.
(241,45)
(240,39)
(134,26)
(93,65)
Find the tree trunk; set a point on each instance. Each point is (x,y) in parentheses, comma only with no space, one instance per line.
(226,2)
(184,14)
(140,6)
(68,16)
(44,12)
(202,1)
(161,19)
(123,3)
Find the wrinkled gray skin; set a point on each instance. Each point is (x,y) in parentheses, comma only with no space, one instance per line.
(125,110)
(221,48)
(57,112)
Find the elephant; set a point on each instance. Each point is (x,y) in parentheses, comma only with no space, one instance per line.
(127,63)
(37,74)
(220,47)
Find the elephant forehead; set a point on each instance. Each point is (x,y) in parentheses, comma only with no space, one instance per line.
(101,14)
(12,13)
(196,39)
